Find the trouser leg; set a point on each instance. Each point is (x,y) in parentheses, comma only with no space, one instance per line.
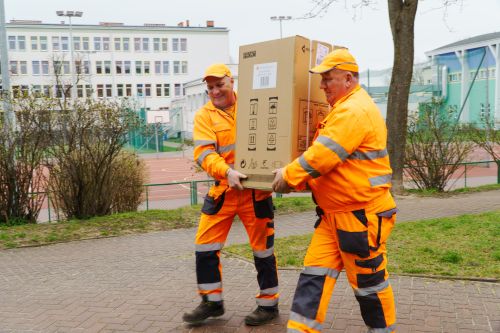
(322,266)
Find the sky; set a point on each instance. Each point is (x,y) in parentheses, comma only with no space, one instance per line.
(364,30)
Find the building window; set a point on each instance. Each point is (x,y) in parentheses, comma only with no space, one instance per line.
(13,67)
(97,44)
(23,67)
(55,43)
(88,90)
(166,89)
(34,43)
(109,90)
(184,67)
(85,43)
(98,67)
(105,43)
(128,89)
(79,91)
(156,44)
(100,90)
(119,90)
(138,67)
(127,67)
(177,67)
(145,44)
(157,67)
(45,67)
(12,43)
(21,43)
(64,43)
(183,45)
(47,90)
(37,91)
(177,89)
(148,89)
(66,67)
(77,43)
(126,44)
(86,67)
(107,67)
(159,90)
(118,67)
(36,67)
(175,44)
(146,67)
(137,44)
(166,67)
(139,89)
(164,44)
(43,43)
(118,44)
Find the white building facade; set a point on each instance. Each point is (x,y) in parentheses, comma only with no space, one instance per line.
(147,64)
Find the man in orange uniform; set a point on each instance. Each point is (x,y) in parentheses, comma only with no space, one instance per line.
(214,138)
(348,171)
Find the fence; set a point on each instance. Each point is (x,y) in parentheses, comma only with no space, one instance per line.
(176,194)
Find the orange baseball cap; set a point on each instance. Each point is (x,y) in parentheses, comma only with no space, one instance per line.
(340,59)
(217,70)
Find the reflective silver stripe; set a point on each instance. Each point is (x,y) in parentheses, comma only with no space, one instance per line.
(333,146)
(368,155)
(203,155)
(309,169)
(269,291)
(214,297)
(333,273)
(292,330)
(389,329)
(311,323)
(264,253)
(371,290)
(210,286)
(225,149)
(379,180)
(208,247)
(198,143)
(266,301)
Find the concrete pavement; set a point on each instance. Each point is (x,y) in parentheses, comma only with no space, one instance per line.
(144,283)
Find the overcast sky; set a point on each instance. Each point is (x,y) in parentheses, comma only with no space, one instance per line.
(365,31)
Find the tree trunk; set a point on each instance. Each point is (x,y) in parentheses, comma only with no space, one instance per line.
(402,18)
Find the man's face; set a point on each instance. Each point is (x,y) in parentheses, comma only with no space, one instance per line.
(220,91)
(336,84)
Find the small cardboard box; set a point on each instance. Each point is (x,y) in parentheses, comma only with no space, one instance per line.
(279,105)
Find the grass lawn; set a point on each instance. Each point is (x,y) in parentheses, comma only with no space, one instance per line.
(464,246)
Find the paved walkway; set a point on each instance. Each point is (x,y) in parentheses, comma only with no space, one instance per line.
(144,283)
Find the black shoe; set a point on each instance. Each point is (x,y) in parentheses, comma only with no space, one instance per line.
(203,311)
(262,315)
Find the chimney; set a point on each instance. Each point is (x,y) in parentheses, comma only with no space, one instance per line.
(187,23)
(180,24)
(210,24)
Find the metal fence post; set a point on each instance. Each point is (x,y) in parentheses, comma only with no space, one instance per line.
(194,193)
(498,171)
(465,176)
(147,197)
(48,206)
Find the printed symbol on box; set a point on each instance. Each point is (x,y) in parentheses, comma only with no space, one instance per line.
(253,164)
(243,163)
(254,106)
(253,124)
(302,143)
(273,105)
(252,139)
(277,164)
(264,165)
(272,123)
(304,116)
(271,141)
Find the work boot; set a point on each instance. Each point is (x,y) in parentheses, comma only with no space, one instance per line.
(203,311)
(262,315)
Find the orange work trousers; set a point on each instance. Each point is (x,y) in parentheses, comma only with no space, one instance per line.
(255,210)
(355,241)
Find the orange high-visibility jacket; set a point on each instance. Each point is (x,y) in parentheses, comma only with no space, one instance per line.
(347,165)
(214,136)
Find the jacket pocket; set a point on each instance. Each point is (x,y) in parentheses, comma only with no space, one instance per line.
(212,206)
(263,208)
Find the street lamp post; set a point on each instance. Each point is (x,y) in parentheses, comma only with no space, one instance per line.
(281,19)
(69,14)
(9,122)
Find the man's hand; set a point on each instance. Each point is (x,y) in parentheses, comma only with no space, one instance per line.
(233,178)
(279,184)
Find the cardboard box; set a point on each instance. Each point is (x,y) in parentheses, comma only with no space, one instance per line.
(279,105)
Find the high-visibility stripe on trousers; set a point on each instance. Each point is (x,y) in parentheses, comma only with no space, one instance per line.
(255,210)
(355,241)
